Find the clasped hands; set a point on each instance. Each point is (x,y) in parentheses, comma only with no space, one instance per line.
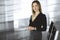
(31,28)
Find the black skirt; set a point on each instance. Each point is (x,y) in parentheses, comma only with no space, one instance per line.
(35,35)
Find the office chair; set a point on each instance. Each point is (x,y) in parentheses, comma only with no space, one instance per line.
(53,32)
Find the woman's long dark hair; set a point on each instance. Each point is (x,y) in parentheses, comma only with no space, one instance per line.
(38,3)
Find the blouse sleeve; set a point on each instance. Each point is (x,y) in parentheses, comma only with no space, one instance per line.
(43,24)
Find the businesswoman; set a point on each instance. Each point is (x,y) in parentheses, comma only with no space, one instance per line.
(38,22)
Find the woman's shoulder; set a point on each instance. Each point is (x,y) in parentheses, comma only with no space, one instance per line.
(43,15)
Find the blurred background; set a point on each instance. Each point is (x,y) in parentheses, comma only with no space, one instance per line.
(15,15)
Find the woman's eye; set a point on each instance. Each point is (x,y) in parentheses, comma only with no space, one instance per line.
(32,6)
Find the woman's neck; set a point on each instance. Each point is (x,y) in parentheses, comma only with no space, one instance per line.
(37,12)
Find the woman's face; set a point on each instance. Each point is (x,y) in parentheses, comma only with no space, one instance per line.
(35,7)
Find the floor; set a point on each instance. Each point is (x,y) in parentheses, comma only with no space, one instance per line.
(11,36)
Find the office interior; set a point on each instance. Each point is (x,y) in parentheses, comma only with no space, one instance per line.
(15,15)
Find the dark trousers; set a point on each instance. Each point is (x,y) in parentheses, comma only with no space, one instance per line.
(35,35)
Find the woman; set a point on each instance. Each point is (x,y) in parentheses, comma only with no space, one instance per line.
(38,22)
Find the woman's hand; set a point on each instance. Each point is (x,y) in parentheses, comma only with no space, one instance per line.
(31,28)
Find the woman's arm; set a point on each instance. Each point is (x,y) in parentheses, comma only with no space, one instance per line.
(43,24)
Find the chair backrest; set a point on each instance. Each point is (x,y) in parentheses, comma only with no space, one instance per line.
(51,26)
(52,31)
(52,34)
(56,35)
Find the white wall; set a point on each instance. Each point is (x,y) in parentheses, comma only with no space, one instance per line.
(22,10)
